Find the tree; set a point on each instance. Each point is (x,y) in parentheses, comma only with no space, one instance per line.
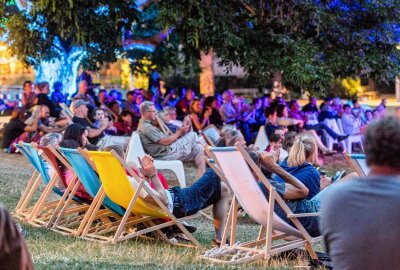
(56,37)
(312,42)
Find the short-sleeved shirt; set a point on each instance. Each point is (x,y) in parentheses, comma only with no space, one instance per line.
(12,130)
(306,173)
(360,223)
(150,135)
(86,124)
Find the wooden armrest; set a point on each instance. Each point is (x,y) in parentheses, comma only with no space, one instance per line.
(304,215)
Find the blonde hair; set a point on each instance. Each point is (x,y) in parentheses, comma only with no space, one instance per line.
(304,149)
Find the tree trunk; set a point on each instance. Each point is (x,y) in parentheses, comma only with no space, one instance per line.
(207,86)
(64,69)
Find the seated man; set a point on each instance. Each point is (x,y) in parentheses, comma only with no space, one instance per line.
(359,218)
(351,124)
(208,190)
(96,136)
(182,145)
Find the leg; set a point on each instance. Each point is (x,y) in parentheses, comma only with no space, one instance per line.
(321,146)
(220,209)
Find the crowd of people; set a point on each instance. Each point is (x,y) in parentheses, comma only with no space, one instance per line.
(110,117)
(169,126)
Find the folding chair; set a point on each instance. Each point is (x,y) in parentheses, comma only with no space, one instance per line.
(207,139)
(118,187)
(24,208)
(103,216)
(71,208)
(358,163)
(164,128)
(238,169)
(135,150)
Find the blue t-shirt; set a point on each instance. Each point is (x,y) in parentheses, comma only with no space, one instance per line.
(306,173)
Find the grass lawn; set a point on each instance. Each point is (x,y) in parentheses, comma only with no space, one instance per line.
(54,251)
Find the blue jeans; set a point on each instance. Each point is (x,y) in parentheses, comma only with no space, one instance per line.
(322,126)
(205,192)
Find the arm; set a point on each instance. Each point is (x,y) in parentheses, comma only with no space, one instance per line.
(149,171)
(33,127)
(172,138)
(294,189)
(196,122)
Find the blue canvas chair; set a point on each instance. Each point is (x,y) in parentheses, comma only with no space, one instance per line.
(358,163)
(110,217)
(23,211)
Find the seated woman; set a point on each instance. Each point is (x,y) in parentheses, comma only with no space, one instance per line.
(297,181)
(201,120)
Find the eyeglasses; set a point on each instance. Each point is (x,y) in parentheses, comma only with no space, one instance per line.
(151,111)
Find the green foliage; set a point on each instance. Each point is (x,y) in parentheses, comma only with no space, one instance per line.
(94,26)
(311,42)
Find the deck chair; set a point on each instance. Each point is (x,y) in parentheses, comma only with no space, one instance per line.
(164,128)
(135,150)
(118,187)
(358,163)
(103,215)
(26,205)
(42,215)
(71,208)
(207,139)
(262,140)
(238,168)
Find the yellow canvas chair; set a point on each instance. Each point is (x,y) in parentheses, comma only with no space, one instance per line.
(119,189)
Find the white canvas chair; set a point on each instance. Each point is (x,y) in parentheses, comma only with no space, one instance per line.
(234,164)
(262,141)
(358,163)
(333,124)
(135,150)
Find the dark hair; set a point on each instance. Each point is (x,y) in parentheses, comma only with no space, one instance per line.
(130,93)
(69,144)
(381,142)
(20,113)
(280,109)
(111,104)
(208,101)
(117,148)
(27,82)
(74,132)
(270,111)
(274,137)
(123,114)
(288,142)
(345,106)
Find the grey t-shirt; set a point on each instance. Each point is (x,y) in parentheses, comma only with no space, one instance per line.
(150,135)
(360,222)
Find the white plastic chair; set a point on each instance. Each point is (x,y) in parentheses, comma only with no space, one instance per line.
(262,141)
(135,150)
(348,143)
(333,124)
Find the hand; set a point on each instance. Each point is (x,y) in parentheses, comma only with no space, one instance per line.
(207,114)
(36,113)
(268,160)
(183,130)
(104,123)
(324,182)
(275,153)
(147,166)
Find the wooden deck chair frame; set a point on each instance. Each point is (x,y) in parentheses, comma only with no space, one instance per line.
(70,114)
(164,128)
(22,211)
(107,218)
(44,210)
(266,235)
(207,138)
(352,160)
(29,214)
(148,221)
(68,213)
